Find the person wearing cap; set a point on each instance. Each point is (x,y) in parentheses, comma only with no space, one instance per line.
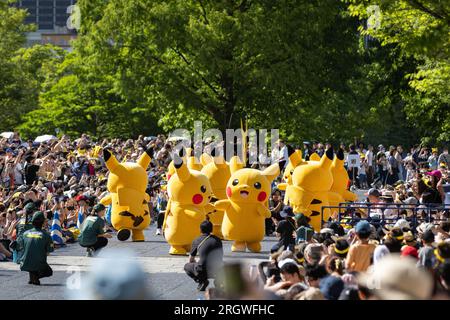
(22,226)
(285,231)
(82,209)
(36,244)
(435,193)
(210,251)
(92,232)
(360,253)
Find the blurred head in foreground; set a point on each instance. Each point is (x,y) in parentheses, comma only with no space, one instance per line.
(114,275)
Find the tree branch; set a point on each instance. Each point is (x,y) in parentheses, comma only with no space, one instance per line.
(204,11)
(418,5)
(181,55)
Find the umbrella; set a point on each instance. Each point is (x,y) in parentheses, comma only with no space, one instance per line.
(173,139)
(7,135)
(45,138)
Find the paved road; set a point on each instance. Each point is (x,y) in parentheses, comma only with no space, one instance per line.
(166,278)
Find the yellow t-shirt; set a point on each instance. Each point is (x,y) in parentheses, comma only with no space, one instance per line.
(359,256)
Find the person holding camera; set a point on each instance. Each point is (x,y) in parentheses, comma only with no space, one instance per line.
(92,232)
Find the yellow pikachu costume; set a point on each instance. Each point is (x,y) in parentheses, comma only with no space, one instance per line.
(341,179)
(245,210)
(189,193)
(310,188)
(192,163)
(218,173)
(127,183)
(295,160)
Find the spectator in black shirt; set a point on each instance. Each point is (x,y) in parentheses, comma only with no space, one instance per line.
(31,170)
(285,231)
(210,251)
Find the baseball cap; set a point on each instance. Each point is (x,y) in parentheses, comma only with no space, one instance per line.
(363,227)
(287,212)
(30,207)
(99,207)
(81,198)
(373,192)
(331,287)
(409,251)
(38,217)
(402,223)
(434,173)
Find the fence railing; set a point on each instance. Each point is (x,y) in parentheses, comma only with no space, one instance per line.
(349,213)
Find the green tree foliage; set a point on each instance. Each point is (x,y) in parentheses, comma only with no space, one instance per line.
(420,29)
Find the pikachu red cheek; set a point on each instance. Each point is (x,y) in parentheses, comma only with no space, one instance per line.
(229,192)
(197,199)
(262,196)
(168,177)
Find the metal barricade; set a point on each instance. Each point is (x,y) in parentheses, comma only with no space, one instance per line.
(387,213)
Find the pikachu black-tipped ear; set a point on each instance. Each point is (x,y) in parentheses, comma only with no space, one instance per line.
(181,168)
(294,157)
(110,160)
(327,159)
(340,154)
(146,158)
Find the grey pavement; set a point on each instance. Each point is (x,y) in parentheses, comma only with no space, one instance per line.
(166,278)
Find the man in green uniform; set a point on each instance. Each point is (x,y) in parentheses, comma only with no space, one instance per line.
(23,225)
(36,244)
(92,231)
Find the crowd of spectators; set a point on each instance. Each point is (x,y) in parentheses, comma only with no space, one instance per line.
(347,259)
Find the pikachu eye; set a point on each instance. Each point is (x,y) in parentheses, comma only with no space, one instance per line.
(235,182)
(203,189)
(144,202)
(292,172)
(257,185)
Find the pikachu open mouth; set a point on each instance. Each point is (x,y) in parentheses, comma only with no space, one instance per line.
(244,194)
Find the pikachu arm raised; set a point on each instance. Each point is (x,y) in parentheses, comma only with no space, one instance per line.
(194,214)
(263,211)
(222,205)
(350,196)
(282,186)
(106,200)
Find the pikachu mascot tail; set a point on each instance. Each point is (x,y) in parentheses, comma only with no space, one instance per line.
(127,183)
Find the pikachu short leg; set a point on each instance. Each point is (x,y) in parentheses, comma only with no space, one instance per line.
(138,236)
(238,246)
(178,250)
(254,246)
(187,248)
